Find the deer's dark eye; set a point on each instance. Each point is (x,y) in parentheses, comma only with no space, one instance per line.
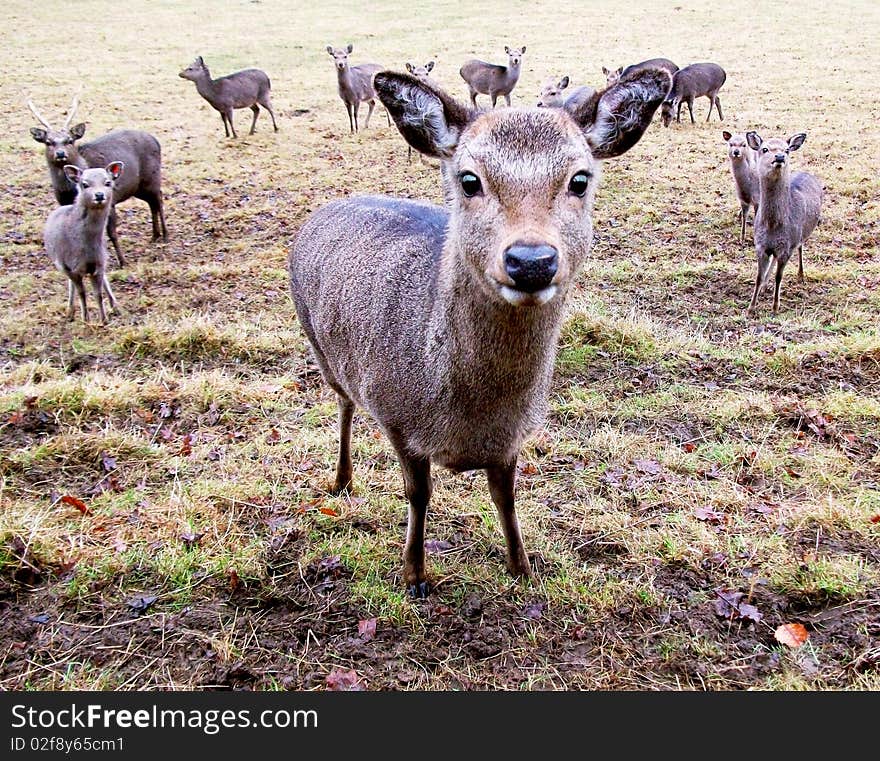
(578,184)
(764,150)
(470,184)
(85,184)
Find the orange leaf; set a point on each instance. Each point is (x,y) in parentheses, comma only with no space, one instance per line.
(792,635)
(77,503)
(689,446)
(329,511)
(875,518)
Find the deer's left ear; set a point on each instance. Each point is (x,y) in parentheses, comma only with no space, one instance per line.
(38,134)
(754,140)
(726,135)
(796,141)
(114,169)
(73,173)
(78,130)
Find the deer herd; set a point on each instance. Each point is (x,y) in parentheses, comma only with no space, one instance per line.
(442,321)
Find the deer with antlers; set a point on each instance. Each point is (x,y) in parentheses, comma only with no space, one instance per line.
(139,151)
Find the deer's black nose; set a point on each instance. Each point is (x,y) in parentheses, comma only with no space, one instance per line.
(99,196)
(531,267)
(780,158)
(60,155)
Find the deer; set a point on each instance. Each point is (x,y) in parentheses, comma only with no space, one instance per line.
(422,73)
(442,322)
(551,95)
(743,167)
(612,75)
(493,79)
(139,151)
(355,85)
(248,88)
(788,210)
(691,82)
(73,235)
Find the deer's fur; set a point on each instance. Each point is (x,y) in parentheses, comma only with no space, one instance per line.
(692,82)
(355,85)
(788,210)
(612,75)
(744,168)
(74,236)
(442,323)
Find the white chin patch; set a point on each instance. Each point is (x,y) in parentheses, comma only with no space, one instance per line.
(522,299)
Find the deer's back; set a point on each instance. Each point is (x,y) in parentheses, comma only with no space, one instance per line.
(482,76)
(697,80)
(241,89)
(139,151)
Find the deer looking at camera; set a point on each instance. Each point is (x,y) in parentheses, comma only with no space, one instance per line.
(442,322)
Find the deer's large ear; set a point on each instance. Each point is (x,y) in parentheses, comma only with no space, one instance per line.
(754,140)
(409,67)
(429,66)
(796,141)
(73,173)
(114,169)
(429,120)
(330,49)
(349,48)
(563,83)
(78,130)
(726,135)
(200,61)
(615,119)
(39,134)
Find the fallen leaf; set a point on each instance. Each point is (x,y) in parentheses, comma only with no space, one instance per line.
(191,539)
(436,546)
(534,611)
(328,511)
(108,462)
(875,518)
(727,602)
(367,629)
(16,418)
(650,467)
(234,580)
(142,603)
(529,469)
(274,437)
(42,618)
(342,679)
(688,446)
(749,613)
(708,514)
(186,445)
(77,503)
(791,635)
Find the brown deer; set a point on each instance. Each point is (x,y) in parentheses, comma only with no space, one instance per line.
(442,321)
(249,88)
(355,85)
(691,82)
(493,79)
(74,236)
(743,167)
(139,151)
(788,210)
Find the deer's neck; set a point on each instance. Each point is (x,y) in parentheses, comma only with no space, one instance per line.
(344,78)
(94,222)
(205,85)
(743,170)
(773,209)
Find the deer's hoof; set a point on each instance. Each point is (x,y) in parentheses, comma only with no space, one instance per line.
(419,591)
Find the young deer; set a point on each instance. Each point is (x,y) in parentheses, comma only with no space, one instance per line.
(442,322)
(691,82)
(551,94)
(788,210)
(653,63)
(249,88)
(139,151)
(355,85)
(493,79)
(74,235)
(744,168)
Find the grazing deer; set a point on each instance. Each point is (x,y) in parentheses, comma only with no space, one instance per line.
(74,235)
(139,151)
(691,82)
(611,76)
(355,85)
(551,94)
(788,210)
(493,79)
(743,167)
(249,88)
(442,322)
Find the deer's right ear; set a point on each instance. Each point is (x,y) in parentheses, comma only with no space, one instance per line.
(38,134)
(349,48)
(409,67)
(114,169)
(429,66)
(78,130)
(429,120)
(726,135)
(563,83)
(507,49)
(605,71)
(330,49)
(754,140)
(73,173)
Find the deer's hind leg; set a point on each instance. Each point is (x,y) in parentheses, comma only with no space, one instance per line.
(343,464)
(371,104)
(113,235)
(256,109)
(801,277)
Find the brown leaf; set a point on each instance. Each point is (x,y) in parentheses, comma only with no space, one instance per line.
(749,613)
(343,679)
(191,539)
(234,580)
(274,437)
(76,502)
(16,418)
(791,635)
(367,629)
(650,467)
(875,518)
(708,514)
(186,445)
(688,446)
(529,469)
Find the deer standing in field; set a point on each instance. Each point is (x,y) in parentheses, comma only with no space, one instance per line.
(422,73)
(355,84)
(788,210)
(551,95)
(249,88)
(139,151)
(744,168)
(694,81)
(74,236)
(493,79)
(442,322)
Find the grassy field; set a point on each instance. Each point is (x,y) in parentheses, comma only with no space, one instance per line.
(689,453)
